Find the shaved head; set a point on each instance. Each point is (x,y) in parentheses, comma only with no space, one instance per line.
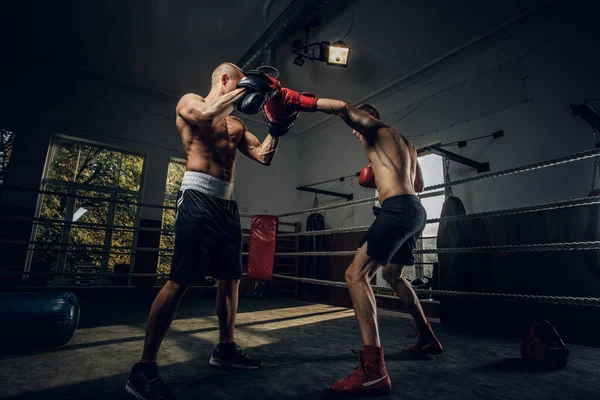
(369,109)
(231,70)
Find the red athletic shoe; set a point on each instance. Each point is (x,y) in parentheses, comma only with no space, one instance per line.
(370,376)
(427,343)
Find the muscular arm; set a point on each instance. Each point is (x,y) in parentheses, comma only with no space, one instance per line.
(251,147)
(419,183)
(197,111)
(356,119)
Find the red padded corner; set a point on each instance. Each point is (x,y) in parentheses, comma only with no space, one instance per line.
(261,252)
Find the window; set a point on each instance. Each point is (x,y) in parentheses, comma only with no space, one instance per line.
(167,238)
(433,174)
(7,139)
(88,208)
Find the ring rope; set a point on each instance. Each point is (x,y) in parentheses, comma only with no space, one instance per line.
(363,228)
(99,199)
(556,205)
(584,201)
(587,301)
(90,225)
(350,203)
(46,245)
(50,221)
(568,246)
(556,161)
(132,274)
(579,202)
(82,248)
(530,167)
(565,246)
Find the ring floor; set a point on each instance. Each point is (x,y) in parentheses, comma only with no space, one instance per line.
(304,347)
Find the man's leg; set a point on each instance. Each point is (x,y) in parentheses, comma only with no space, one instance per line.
(161,315)
(358,277)
(392,273)
(228,353)
(227,305)
(144,382)
(372,375)
(427,343)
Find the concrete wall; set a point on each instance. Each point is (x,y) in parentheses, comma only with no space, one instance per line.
(521,82)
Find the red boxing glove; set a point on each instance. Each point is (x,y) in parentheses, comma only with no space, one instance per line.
(279,118)
(366,177)
(296,101)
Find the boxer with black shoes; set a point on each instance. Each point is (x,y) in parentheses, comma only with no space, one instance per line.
(208,235)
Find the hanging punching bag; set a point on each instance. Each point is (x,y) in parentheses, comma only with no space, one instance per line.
(454,269)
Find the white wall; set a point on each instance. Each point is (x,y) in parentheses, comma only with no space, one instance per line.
(106,112)
(522,83)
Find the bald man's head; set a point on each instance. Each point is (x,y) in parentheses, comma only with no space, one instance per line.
(226,74)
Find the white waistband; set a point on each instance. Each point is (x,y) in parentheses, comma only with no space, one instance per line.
(207,184)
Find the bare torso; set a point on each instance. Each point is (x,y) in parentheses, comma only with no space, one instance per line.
(212,149)
(393,159)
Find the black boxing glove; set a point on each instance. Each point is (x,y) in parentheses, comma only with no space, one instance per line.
(251,103)
(256,81)
(260,88)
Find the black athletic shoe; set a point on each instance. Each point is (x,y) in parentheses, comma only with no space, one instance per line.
(232,356)
(145,384)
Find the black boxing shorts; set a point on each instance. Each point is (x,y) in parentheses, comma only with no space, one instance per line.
(393,235)
(208,232)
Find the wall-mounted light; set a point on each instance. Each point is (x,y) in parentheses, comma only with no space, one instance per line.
(335,54)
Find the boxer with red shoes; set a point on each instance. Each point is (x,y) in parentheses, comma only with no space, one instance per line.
(393,169)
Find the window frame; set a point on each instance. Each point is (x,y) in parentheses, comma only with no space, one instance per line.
(420,268)
(172,160)
(14,140)
(72,189)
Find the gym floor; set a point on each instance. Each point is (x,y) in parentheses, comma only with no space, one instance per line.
(304,347)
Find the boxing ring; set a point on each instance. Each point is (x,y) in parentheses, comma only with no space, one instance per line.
(305,345)
(541,247)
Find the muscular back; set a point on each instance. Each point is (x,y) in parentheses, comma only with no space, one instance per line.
(211,149)
(393,159)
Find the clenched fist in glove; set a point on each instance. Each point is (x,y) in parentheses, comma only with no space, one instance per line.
(278,116)
(260,88)
(296,101)
(282,109)
(366,177)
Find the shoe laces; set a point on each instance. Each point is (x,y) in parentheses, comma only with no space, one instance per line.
(415,328)
(362,365)
(156,382)
(238,350)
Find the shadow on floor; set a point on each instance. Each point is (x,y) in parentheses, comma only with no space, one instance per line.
(305,347)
